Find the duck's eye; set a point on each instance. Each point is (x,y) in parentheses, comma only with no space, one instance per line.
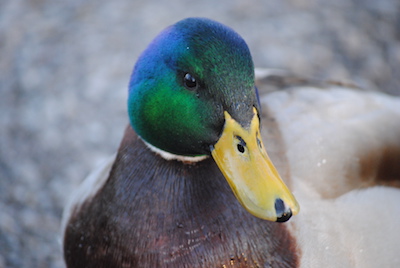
(190,82)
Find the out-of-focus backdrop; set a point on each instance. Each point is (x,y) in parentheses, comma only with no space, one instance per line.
(65,66)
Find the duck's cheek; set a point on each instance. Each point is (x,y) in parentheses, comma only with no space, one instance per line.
(241,157)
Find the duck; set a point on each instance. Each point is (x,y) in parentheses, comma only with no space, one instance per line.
(193,185)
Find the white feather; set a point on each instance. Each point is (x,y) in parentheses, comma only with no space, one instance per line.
(327,132)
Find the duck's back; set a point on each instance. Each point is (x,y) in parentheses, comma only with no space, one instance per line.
(342,146)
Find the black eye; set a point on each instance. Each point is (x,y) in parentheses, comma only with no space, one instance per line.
(190,82)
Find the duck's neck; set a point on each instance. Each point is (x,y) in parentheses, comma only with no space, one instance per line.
(169,156)
(168,213)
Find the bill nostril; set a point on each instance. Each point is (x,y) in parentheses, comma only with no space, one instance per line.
(282,213)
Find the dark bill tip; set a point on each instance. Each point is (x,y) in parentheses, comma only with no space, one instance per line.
(282,213)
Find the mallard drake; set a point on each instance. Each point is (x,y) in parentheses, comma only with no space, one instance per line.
(192,184)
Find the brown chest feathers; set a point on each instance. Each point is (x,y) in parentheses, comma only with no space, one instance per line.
(157,213)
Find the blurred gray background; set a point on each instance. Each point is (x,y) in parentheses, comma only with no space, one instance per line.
(65,66)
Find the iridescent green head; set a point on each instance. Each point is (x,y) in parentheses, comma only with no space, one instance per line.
(192,93)
(183,82)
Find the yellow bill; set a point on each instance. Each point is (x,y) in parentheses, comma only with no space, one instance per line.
(242,158)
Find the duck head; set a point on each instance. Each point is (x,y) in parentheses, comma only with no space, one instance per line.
(192,94)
